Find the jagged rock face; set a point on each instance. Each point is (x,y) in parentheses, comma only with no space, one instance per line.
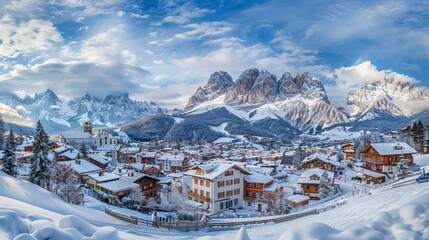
(297,100)
(218,84)
(395,97)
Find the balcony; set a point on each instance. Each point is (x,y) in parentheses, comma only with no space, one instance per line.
(199,197)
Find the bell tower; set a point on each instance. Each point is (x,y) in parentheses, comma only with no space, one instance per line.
(87,127)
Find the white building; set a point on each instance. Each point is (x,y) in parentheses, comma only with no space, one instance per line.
(92,140)
(173,163)
(218,186)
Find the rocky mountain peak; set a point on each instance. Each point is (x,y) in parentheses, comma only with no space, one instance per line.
(218,83)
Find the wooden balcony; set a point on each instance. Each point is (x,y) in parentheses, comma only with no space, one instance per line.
(199,197)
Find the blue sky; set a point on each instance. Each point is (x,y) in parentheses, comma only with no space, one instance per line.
(163,50)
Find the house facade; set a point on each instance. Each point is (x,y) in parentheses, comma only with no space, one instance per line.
(310,182)
(349,151)
(218,186)
(319,160)
(384,157)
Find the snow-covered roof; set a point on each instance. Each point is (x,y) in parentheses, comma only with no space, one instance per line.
(109,147)
(106,176)
(171,157)
(71,153)
(130,150)
(118,185)
(78,135)
(99,158)
(213,171)
(305,176)
(135,176)
(258,178)
(396,148)
(298,198)
(373,174)
(148,154)
(322,157)
(83,167)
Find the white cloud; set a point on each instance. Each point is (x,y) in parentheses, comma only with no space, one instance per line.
(135,15)
(184,13)
(74,78)
(351,78)
(120,13)
(26,36)
(204,29)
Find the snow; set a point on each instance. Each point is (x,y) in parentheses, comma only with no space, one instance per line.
(396,148)
(106,176)
(220,128)
(118,185)
(82,166)
(178,120)
(224,140)
(338,134)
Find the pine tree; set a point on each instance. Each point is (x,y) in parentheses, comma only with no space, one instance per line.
(39,170)
(2,132)
(84,151)
(9,162)
(327,188)
(403,169)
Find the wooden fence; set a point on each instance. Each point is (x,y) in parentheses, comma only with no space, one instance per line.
(123,217)
(249,221)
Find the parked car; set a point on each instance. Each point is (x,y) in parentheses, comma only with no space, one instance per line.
(423,178)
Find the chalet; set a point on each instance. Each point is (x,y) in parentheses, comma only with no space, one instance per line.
(257,184)
(82,167)
(173,163)
(149,185)
(65,153)
(349,151)
(298,200)
(371,177)
(383,157)
(111,184)
(310,182)
(219,186)
(319,160)
(99,160)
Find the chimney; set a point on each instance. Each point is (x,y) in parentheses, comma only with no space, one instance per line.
(119,170)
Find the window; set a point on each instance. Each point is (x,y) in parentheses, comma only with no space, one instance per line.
(196,181)
(221,195)
(229,173)
(235,201)
(208,194)
(202,193)
(220,183)
(237,191)
(237,181)
(195,191)
(308,187)
(207,184)
(221,205)
(202,182)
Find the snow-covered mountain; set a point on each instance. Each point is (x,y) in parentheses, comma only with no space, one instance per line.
(389,95)
(257,95)
(58,115)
